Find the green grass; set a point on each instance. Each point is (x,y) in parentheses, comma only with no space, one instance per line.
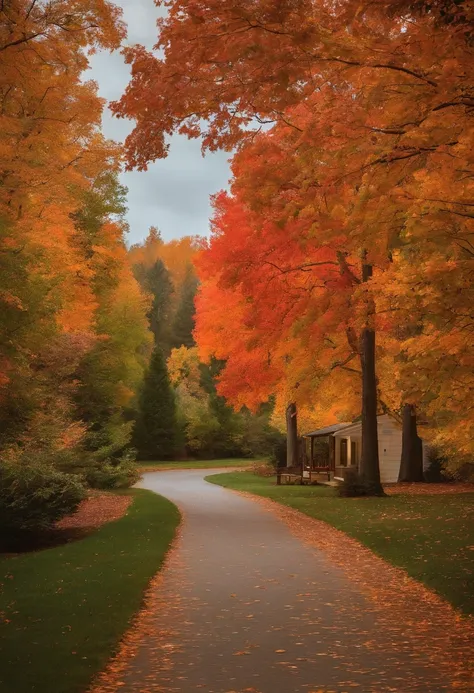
(64,610)
(431,537)
(195,464)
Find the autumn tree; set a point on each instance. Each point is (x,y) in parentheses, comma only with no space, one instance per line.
(327,72)
(200,424)
(111,373)
(176,254)
(75,343)
(271,307)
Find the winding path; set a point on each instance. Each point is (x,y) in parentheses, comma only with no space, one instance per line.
(243,605)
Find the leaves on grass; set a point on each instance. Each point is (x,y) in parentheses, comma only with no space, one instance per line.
(96,511)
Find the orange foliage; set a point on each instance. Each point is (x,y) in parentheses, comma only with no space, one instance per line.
(177,254)
(50,141)
(373,150)
(62,275)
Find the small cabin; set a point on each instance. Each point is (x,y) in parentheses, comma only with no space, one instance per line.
(344,443)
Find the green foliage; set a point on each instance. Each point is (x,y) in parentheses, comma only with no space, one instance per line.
(27,323)
(436,470)
(156,281)
(446,463)
(183,324)
(155,434)
(65,609)
(113,476)
(111,372)
(200,426)
(106,200)
(33,497)
(240,433)
(212,428)
(279,453)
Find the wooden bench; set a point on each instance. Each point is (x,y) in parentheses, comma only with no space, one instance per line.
(289,478)
(290,475)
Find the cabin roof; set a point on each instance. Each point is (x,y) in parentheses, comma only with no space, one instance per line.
(327,430)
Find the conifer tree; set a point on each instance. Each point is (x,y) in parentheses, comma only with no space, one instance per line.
(156,280)
(155,432)
(183,325)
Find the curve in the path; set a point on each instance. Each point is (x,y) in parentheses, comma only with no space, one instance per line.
(245,606)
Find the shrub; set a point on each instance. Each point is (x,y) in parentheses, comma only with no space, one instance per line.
(33,497)
(265,469)
(436,470)
(113,474)
(353,486)
(278,456)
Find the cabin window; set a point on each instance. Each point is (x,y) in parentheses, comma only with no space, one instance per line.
(354,457)
(343,452)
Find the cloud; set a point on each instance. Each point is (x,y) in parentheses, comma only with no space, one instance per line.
(174,193)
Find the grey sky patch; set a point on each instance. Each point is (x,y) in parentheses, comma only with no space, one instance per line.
(174,193)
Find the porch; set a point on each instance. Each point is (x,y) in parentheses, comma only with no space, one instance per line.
(322,457)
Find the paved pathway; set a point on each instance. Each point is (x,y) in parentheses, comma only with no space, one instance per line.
(245,606)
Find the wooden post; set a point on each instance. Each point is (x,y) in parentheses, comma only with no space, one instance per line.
(312,452)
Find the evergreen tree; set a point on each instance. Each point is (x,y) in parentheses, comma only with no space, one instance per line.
(183,324)
(155,433)
(156,281)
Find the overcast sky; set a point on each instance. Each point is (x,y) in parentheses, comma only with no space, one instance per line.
(174,193)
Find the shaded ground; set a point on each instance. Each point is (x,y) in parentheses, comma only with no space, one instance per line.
(244,606)
(96,511)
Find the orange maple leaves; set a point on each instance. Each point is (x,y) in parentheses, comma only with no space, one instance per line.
(372,149)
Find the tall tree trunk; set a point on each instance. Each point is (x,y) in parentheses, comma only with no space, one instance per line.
(291,436)
(411,462)
(369,462)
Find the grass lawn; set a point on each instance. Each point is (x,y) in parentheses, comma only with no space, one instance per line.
(63,610)
(431,537)
(195,464)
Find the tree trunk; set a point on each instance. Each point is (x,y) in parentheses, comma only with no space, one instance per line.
(291,436)
(369,462)
(411,462)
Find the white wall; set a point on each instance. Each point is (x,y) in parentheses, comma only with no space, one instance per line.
(390,445)
(390,448)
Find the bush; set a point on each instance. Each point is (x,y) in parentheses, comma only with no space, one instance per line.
(113,474)
(354,486)
(278,454)
(265,469)
(33,497)
(436,473)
